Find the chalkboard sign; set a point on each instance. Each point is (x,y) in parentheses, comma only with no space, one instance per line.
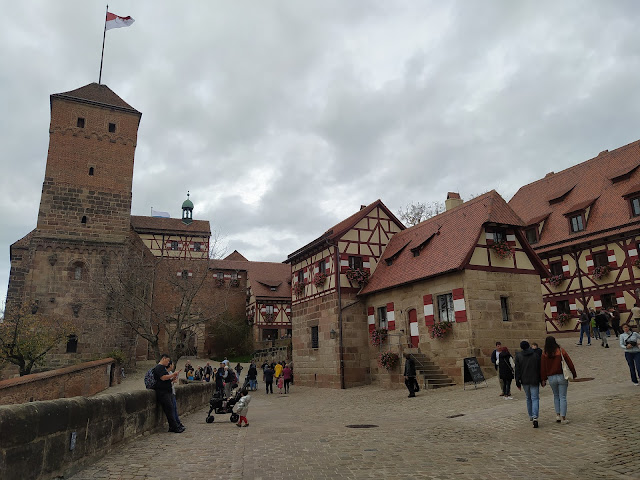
(472,371)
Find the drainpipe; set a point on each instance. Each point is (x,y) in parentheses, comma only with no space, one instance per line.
(340,345)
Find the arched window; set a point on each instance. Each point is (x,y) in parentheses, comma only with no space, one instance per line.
(76,270)
(72,344)
(84,220)
(90,170)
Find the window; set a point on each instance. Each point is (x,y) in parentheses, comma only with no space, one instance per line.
(382,317)
(314,337)
(185,274)
(77,272)
(300,276)
(234,275)
(504,306)
(322,266)
(446,312)
(174,245)
(577,223)
(91,171)
(112,128)
(80,123)
(563,307)
(269,309)
(532,234)
(600,259)
(608,300)
(197,246)
(355,262)
(556,268)
(84,220)
(72,344)
(499,236)
(635,206)
(220,275)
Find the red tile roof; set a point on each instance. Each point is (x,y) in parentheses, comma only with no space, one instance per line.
(235,255)
(173,226)
(98,94)
(592,178)
(265,275)
(449,239)
(344,226)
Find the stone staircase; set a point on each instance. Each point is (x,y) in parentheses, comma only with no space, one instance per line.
(430,373)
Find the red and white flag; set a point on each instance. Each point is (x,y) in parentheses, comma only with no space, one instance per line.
(114,21)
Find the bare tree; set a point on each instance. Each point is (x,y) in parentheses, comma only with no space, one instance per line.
(417,212)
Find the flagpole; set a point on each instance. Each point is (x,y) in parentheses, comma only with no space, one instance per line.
(104,34)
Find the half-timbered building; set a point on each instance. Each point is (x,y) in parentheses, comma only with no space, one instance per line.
(584,222)
(469,268)
(269,300)
(328,321)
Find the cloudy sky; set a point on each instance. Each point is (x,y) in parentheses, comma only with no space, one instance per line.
(283,117)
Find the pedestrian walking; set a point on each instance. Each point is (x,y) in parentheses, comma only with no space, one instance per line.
(635,314)
(163,391)
(551,370)
(280,383)
(527,373)
(286,375)
(629,342)
(242,407)
(238,370)
(268,378)
(252,376)
(585,323)
(505,370)
(602,324)
(410,374)
(495,359)
(615,321)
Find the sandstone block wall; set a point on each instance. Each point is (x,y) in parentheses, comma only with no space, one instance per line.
(39,446)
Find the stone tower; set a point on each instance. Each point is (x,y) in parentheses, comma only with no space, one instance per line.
(84,225)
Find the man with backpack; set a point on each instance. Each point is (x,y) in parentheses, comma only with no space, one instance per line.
(163,391)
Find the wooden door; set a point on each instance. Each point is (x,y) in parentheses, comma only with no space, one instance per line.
(413,328)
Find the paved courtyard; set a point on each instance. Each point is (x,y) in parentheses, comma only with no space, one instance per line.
(441,434)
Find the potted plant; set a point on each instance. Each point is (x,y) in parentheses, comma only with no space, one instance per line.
(556,280)
(234,282)
(502,249)
(378,336)
(388,360)
(637,263)
(357,275)
(319,279)
(299,289)
(440,329)
(601,271)
(563,319)
(219,282)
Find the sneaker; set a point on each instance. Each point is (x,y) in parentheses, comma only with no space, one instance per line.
(508,397)
(636,384)
(246,425)
(535,424)
(502,394)
(564,422)
(589,344)
(411,395)
(558,418)
(579,344)
(606,346)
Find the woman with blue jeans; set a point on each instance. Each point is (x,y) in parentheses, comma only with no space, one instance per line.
(629,342)
(528,377)
(551,371)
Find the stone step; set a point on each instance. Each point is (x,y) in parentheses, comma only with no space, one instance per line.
(434,376)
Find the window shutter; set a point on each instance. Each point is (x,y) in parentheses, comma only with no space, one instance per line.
(597,303)
(554,309)
(459,306)
(611,257)
(391,317)
(427,300)
(565,268)
(589,260)
(632,252)
(511,238)
(371,319)
(573,308)
(622,304)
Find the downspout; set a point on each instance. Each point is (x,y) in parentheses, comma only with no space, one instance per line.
(340,345)
(577,260)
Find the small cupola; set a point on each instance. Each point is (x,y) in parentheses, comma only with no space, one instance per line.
(187,211)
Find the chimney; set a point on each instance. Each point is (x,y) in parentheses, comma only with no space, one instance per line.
(362,207)
(453,200)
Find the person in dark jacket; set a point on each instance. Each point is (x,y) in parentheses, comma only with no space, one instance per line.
(536,349)
(615,321)
(505,370)
(268,378)
(252,376)
(410,374)
(528,377)
(220,379)
(495,357)
(602,323)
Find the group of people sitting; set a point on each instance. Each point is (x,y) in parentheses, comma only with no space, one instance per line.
(207,373)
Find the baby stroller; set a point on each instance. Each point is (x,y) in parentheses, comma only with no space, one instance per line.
(220,405)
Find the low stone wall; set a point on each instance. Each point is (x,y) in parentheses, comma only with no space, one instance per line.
(42,440)
(83,379)
(271,354)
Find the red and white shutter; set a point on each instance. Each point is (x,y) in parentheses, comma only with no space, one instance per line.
(611,257)
(391,317)
(622,304)
(590,266)
(344,262)
(565,268)
(371,319)
(554,309)
(288,312)
(459,306)
(489,237)
(573,308)
(597,303)
(632,252)
(511,238)
(427,301)
(413,328)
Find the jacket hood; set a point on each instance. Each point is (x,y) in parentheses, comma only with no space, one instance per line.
(527,352)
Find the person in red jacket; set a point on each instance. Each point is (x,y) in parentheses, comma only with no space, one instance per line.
(551,370)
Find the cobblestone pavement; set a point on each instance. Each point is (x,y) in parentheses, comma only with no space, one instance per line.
(303,435)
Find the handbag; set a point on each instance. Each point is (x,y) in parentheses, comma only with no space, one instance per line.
(566,371)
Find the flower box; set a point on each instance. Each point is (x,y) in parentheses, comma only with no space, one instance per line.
(298,289)
(319,279)
(234,282)
(388,360)
(563,319)
(601,271)
(440,329)
(269,317)
(556,280)
(502,249)
(379,336)
(637,263)
(361,277)
(219,282)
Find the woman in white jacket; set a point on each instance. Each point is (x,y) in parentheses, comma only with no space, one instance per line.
(242,407)
(629,342)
